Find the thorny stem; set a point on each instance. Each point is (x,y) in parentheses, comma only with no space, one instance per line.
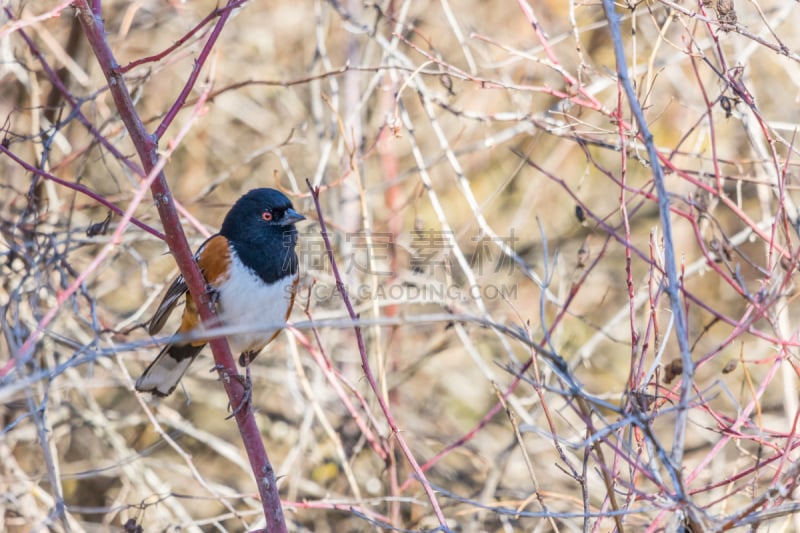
(146,146)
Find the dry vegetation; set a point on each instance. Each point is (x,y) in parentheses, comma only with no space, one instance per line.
(495,216)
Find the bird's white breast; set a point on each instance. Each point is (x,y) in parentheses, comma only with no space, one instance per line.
(246,302)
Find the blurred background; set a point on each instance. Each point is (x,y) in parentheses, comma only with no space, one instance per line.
(488,198)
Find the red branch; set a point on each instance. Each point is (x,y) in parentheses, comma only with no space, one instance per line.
(146,146)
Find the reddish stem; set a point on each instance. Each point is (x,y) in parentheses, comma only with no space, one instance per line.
(362,350)
(177,44)
(77,187)
(224,14)
(146,146)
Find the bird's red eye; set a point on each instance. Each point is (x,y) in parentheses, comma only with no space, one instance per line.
(266,215)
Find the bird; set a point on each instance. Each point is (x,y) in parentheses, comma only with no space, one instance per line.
(251,272)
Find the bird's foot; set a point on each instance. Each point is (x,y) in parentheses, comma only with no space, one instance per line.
(212,293)
(246,383)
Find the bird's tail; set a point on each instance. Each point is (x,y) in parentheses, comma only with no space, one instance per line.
(164,373)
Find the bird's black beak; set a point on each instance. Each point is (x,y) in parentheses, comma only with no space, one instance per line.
(291,217)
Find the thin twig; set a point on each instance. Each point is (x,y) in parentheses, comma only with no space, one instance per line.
(362,350)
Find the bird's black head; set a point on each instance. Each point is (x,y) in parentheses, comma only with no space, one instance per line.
(260,215)
(260,226)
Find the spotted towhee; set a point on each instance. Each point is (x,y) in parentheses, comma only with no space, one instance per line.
(251,269)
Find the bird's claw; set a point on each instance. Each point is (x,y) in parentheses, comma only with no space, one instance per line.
(246,383)
(212,294)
